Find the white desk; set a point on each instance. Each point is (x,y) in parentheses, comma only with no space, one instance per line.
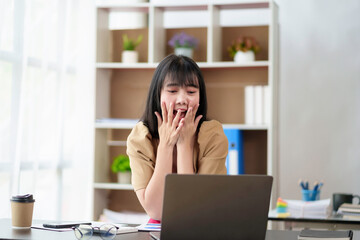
(333,222)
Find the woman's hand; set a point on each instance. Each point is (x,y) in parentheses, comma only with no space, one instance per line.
(168,127)
(189,126)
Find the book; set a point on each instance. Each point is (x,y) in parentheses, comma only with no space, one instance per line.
(266,105)
(351,216)
(249,105)
(235,157)
(149,227)
(259,96)
(307,234)
(349,208)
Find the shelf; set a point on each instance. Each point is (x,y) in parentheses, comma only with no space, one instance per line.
(246,127)
(195,5)
(188,5)
(109,123)
(251,4)
(119,65)
(116,143)
(120,5)
(113,186)
(130,123)
(233,64)
(204,65)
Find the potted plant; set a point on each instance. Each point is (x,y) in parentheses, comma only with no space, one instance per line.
(121,166)
(183,44)
(243,49)
(129,55)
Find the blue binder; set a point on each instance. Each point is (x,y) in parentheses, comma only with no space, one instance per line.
(235,157)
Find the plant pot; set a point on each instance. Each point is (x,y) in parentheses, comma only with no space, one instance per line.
(124,177)
(129,56)
(188,52)
(247,56)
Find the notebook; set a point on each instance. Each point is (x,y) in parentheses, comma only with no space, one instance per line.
(308,234)
(215,207)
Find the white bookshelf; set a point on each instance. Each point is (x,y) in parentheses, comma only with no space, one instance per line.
(121,89)
(116,123)
(122,125)
(116,143)
(202,65)
(113,186)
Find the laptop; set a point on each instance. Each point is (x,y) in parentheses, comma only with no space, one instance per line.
(215,207)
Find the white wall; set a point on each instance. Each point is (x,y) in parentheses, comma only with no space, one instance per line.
(319,85)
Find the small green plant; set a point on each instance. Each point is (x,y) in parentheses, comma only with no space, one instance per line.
(121,164)
(243,44)
(130,44)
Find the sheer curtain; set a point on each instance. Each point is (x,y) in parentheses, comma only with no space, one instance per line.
(46,98)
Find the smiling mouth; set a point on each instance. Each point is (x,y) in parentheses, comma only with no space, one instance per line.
(182,115)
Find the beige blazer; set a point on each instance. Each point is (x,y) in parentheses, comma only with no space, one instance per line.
(210,152)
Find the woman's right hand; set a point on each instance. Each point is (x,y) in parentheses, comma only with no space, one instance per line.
(169,127)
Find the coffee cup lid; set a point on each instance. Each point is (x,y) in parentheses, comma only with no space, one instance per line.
(27,198)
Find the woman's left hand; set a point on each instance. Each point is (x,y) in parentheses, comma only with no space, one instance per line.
(190,123)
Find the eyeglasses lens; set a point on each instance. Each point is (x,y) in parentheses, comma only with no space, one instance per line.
(83,232)
(108,232)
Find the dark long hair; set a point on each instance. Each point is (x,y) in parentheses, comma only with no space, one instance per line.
(183,71)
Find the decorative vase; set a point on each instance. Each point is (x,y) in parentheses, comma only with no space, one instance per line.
(129,56)
(188,52)
(124,177)
(241,56)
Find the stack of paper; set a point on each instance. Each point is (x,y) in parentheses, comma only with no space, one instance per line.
(312,209)
(124,217)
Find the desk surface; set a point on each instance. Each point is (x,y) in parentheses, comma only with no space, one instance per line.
(333,219)
(6,232)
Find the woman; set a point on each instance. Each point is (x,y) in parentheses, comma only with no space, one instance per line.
(174,135)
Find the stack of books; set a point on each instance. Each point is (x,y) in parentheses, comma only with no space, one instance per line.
(257,105)
(313,209)
(350,211)
(123,217)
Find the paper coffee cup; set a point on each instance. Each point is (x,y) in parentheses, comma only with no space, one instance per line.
(22,211)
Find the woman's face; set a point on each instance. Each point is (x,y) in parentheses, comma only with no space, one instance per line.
(182,97)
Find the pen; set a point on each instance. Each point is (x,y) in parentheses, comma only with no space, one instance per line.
(306,184)
(316,186)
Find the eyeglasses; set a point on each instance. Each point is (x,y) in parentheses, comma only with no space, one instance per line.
(106,231)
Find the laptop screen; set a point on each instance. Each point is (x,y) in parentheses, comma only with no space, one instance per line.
(215,206)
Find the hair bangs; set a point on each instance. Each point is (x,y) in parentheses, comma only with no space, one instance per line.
(181,74)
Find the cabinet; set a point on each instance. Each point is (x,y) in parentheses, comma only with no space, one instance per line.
(121,89)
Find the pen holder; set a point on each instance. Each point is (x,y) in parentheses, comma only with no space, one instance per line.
(310,195)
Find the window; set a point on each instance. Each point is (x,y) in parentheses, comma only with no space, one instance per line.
(45,124)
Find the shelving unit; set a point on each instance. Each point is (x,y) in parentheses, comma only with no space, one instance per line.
(121,89)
